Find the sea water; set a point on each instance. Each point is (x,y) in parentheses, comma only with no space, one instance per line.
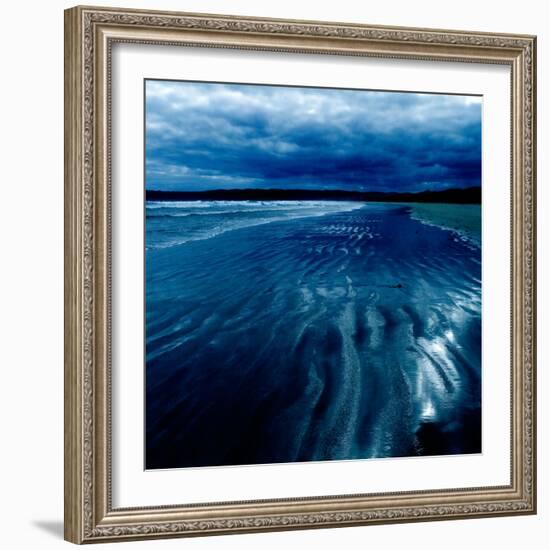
(314,330)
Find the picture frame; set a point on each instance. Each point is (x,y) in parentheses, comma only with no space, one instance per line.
(90,36)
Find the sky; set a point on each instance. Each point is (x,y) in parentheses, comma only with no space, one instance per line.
(201,136)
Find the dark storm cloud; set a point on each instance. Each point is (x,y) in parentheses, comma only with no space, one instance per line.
(212,136)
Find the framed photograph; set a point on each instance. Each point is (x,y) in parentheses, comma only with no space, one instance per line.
(300,274)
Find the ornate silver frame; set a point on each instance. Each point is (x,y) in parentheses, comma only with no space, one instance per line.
(89,35)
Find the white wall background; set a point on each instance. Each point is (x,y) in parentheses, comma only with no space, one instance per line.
(31,289)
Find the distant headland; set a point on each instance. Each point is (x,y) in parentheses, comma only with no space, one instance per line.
(469,195)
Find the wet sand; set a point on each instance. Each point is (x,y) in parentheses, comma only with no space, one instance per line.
(321,334)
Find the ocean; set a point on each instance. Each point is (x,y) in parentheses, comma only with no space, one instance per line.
(310,330)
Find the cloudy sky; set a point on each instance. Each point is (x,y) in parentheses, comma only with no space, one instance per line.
(219,136)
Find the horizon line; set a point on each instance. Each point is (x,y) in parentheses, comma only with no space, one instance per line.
(309,190)
(466,195)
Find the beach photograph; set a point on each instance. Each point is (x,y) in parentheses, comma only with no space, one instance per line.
(313,274)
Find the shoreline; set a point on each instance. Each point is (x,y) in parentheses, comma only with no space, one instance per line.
(463,219)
